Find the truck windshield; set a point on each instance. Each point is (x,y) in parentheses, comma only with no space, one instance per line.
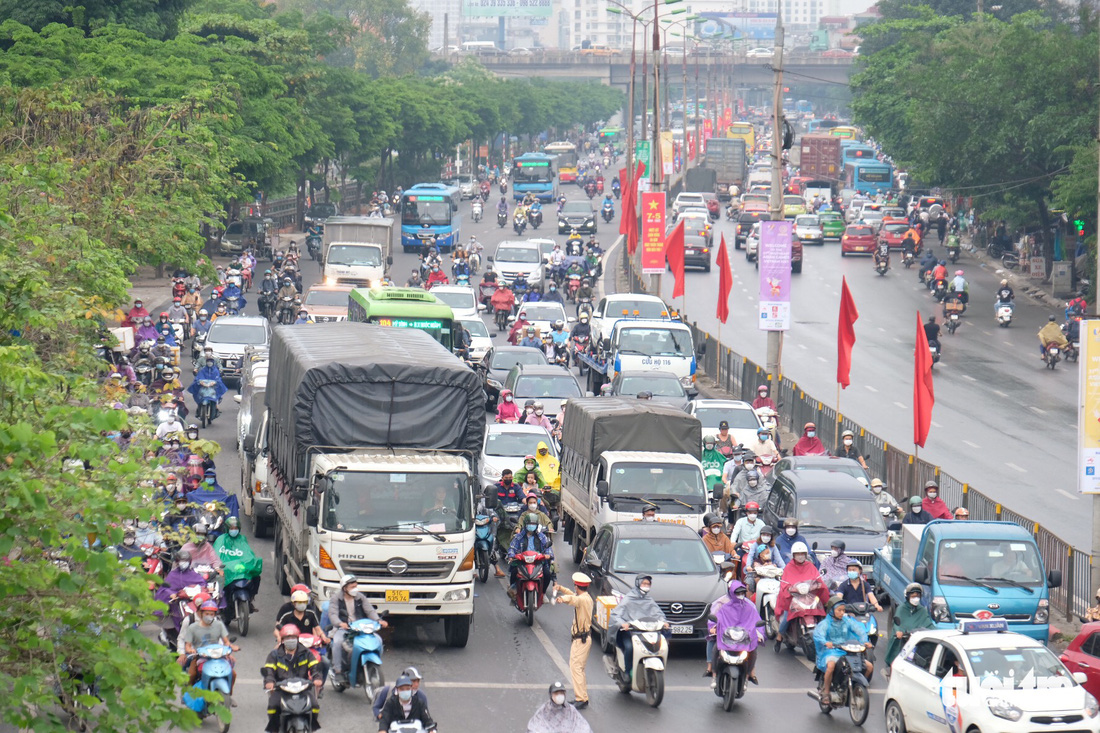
(839,515)
(994,562)
(411,503)
(659,555)
(656,483)
(354,256)
(655,341)
(637,309)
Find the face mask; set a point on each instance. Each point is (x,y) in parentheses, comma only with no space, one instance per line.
(538,412)
(180,507)
(853,574)
(799,558)
(752,482)
(917,509)
(558,698)
(847,441)
(876,489)
(532,527)
(749,466)
(234,532)
(761,437)
(507,480)
(351,590)
(508,398)
(811,433)
(765,539)
(530,466)
(836,553)
(649,519)
(715,530)
(290,644)
(752,517)
(933,494)
(300,606)
(914,601)
(791,531)
(405,695)
(644,590)
(208,619)
(739,595)
(210,363)
(129,541)
(209,481)
(530,409)
(532,507)
(184,565)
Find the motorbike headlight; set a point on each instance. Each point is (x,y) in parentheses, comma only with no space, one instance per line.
(1003,708)
(494,384)
(491,472)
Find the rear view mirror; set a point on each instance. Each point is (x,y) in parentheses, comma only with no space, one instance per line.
(1054,579)
(237,398)
(312,516)
(491,500)
(920,575)
(1080,678)
(601,489)
(389,260)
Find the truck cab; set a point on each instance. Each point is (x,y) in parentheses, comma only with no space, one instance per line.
(616,306)
(971,570)
(665,346)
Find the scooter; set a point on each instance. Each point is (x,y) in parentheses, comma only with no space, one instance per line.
(729,661)
(952,322)
(580,346)
(529,587)
(519,225)
(881,266)
(313,244)
(767,593)
(862,612)
(650,647)
(502,219)
(573,286)
(476,210)
(534,218)
(939,289)
(483,545)
(607,212)
(560,354)
(363,647)
(849,685)
(295,705)
(215,675)
(908,259)
(1004,315)
(238,605)
(953,248)
(1052,356)
(805,610)
(502,315)
(208,402)
(934,350)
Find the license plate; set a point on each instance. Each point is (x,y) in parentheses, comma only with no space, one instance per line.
(397,596)
(683,629)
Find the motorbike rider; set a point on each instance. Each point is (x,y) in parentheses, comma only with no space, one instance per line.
(533,505)
(212,373)
(502,206)
(436,277)
(507,411)
(164,328)
(882,253)
(136,315)
(503,299)
(762,398)
(714,538)
(748,527)
(202,323)
(959,288)
(303,317)
(809,444)
(530,539)
(927,263)
(763,445)
(178,314)
(299,613)
(582,328)
(855,589)
(548,465)
(939,272)
(766,540)
(909,243)
(557,260)
(739,612)
(552,294)
(636,605)
(238,559)
(798,570)
(932,333)
(349,606)
(935,507)
(530,466)
(883,499)
(791,537)
(1005,297)
(916,514)
(834,631)
(584,292)
(1051,334)
(288,290)
(209,629)
(202,552)
(834,568)
(908,617)
(539,418)
(847,449)
(404,707)
(290,659)
(530,339)
(713,463)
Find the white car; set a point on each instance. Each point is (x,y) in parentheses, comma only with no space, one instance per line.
(506,445)
(542,314)
(461,298)
(872,215)
(760,53)
(480,338)
(685,200)
(742,420)
(807,228)
(982,678)
(752,243)
(514,257)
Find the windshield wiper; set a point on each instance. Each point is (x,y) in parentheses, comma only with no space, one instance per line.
(1013,583)
(397,527)
(633,351)
(973,581)
(803,525)
(854,528)
(631,497)
(676,501)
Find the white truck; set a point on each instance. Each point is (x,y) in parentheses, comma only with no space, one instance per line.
(620,456)
(373,434)
(356,250)
(616,306)
(645,345)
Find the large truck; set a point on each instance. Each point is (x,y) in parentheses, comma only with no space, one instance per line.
(373,434)
(641,344)
(357,250)
(819,157)
(727,158)
(620,455)
(970,570)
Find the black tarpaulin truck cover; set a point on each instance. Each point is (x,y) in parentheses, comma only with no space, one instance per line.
(598,424)
(359,385)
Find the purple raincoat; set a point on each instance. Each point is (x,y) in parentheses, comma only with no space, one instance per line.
(740,614)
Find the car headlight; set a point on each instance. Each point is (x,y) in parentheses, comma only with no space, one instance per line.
(457,595)
(1042,614)
(562,223)
(1091,707)
(1003,709)
(940,612)
(687,381)
(589,221)
(494,384)
(490,471)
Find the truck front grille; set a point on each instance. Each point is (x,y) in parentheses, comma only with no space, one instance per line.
(368,571)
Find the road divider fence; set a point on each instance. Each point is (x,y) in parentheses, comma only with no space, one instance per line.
(904,474)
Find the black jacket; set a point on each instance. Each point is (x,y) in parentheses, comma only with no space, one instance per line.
(392,711)
(280,665)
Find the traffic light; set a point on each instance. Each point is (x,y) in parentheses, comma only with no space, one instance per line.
(786,89)
(1079,227)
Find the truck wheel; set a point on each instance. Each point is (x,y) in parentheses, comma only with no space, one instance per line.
(578,545)
(457,631)
(280,571)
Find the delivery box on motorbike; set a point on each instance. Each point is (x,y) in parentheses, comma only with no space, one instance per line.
(604,606)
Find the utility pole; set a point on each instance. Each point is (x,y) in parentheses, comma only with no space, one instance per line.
(656,165)
(775,205)
(1095,497)
(446,37)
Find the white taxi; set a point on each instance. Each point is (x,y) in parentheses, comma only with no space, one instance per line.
(981,678)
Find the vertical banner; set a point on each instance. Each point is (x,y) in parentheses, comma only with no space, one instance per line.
(775,275)
(641,155)
(708,129)
(1088,410)
(653,232)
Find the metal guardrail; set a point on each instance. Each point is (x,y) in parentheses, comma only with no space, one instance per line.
(284,211)
(579,58)
(904,474)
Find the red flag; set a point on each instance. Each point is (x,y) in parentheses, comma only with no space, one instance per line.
(630,212)
(725,282)
(923,396)
(691,146)
(846,335)
(624,188)
(674,253)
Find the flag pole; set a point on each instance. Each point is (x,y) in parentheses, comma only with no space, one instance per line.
(718,361)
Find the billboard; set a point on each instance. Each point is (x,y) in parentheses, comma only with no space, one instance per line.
(775,275)
(1088,409)
(653,232)
(750,26)
(508,8)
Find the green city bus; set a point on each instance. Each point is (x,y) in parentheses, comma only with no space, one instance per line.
(403,308)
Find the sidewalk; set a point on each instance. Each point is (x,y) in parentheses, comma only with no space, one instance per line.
(1037,291)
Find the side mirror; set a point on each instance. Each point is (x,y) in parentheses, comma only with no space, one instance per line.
(894,526)
(570,319)
(301,489)
(237,398)
(490,258)
(389,260)
(312,515)
(589,393)
(593,562)
(249,444)
(481,308)
(491,499)
(701,349)
(813,546)
(920,575)
(1080,678)
(1054,578)
(493,335)
(601,489)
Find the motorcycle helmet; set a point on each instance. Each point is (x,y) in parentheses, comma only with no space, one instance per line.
(556,687)
(1004,282)
(584,318)
(203,312)
(752,506)
(210,605)
(958,273)
(299,596)
(177,299)
(943,262)
(834,601)
(914,588)
(412,673)
(799,547)
(538,406)
(711,519)
(200,529)
(164,315)
(402,681)
(1051,319)
(838,545)
(288,631)
(709,442)
(531,330)
(559,324)
(347,580)
(847,434)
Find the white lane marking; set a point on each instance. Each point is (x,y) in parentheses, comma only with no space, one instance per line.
(882,329)
(1008,343)
(999,393)
(1068,495)
(540,634)
(936,424)
(870,388)
(802,346)
(899,341)
(972,445)
(900,405)
(822,358)
(1033,408)
(1014,467)
(969,378)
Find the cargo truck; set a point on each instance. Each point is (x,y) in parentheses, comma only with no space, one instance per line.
(372,438)
(357,250)
(621,455)
(970,570)
(819,157)
(727,158)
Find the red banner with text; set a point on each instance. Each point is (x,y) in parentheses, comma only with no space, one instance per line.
(653,232)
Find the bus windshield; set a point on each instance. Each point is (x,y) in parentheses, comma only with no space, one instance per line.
(426,210)
(874,175)
(400,503)
(533,173)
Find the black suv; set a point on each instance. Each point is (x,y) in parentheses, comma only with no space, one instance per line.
(577,215)
(744,227)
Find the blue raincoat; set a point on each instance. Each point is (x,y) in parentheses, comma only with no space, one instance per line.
(208,372)
(844,631)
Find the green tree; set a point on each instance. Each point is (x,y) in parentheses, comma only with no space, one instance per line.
(154,18)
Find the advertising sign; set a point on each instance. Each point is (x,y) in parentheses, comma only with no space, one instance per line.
(509,8)
(653,233)
(1088,410)
(755,26)
(775,275)
(641,155)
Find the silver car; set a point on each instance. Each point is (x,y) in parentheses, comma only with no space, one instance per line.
(506,445)
(807,228)
(663,386)
(230,336)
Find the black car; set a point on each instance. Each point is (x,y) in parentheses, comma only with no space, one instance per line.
(577,215)
(498,361)
(744,227)
(822,463)
(829,505)
(697,252)
(685,578)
